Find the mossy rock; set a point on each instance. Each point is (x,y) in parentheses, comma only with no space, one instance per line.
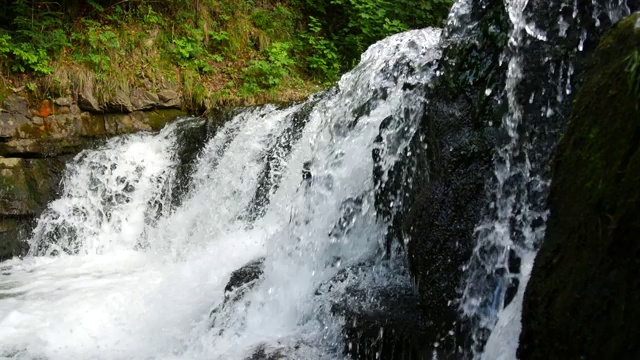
(582,299)
(11,231)
(27,185)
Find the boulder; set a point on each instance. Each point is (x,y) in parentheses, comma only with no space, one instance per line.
(240,282)
(582,298)
(12,231)
(14,116)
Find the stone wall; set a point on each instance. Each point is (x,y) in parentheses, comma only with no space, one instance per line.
(37,139)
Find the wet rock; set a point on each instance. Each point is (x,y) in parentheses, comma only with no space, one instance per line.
(582,299)
(394,329)
(381,321)
(26,186)
(450,161)
(262,352)
(245,277)
(192,137)
(240,282)
(12,231)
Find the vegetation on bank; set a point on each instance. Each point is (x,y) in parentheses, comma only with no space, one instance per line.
(214,51)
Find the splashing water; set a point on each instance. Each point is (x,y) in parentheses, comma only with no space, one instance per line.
(135,278)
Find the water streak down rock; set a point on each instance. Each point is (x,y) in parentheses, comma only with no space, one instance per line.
(467,156)
(582,299)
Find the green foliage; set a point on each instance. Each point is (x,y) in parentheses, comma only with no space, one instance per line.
(211,48)
(34,35)
(191,52)
(96,44)
(279,22)
(23,57)
(353,25)
(266,74)
(320,55)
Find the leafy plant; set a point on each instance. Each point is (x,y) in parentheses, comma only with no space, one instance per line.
(268,74)
(321,54)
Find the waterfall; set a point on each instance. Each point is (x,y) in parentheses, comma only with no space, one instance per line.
(120,269)
(255,238)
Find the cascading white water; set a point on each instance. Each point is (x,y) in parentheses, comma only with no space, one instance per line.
(103,195)
(134,279)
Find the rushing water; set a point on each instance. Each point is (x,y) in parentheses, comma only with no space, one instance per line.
(116,271)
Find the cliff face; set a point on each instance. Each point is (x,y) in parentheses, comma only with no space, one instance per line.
(35,143)
(582,299)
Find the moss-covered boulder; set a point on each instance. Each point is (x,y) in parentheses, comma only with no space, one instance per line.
(582,301)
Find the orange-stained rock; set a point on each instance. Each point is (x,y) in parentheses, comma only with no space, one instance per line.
(46,108)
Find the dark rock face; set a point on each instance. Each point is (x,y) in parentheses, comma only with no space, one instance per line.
(240,282)
(394,328)
(264,353)
(583,295)
(380,321)
(246,276)
(450,163)
(443,183)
